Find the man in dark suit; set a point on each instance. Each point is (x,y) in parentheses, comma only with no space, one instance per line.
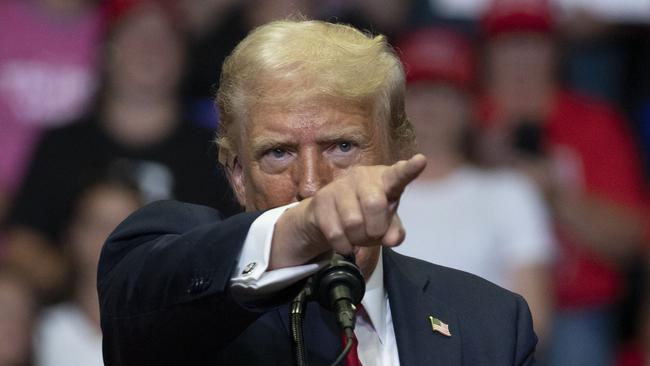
(312,130)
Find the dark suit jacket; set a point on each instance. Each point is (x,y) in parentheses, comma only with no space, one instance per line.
(164,299)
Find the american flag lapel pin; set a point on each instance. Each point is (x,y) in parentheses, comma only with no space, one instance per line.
(439,326)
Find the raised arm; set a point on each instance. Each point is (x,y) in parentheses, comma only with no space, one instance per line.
(163,284)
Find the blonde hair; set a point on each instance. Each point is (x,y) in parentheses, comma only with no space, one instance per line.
(313,58)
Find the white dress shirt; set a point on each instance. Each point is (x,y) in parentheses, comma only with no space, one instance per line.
(374,329)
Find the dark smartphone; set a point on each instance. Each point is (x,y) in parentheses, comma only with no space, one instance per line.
(527,138)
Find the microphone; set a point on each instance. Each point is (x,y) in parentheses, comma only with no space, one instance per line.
(339,287)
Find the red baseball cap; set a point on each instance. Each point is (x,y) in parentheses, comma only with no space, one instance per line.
(116,10)
(437,54)
(508,16)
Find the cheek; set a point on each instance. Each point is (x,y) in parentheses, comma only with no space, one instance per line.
(266,191)
(378,153)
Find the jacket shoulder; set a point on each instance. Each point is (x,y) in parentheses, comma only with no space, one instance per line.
(495,323)
(457,286)
(166,217)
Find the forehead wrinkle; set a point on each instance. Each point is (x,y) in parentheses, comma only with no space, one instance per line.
(354,132)
(270,126)
(281,133)
(290,120)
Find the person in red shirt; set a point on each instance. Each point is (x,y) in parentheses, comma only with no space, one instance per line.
(506,236)
(583,158)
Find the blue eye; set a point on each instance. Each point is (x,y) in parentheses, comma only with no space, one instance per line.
(278,153)
(345,146)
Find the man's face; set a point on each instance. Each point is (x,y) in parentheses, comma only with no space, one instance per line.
(145,53)
(286,154)
(439,114)
(521,58)
(520,74)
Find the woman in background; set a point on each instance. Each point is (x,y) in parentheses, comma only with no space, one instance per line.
(137,124)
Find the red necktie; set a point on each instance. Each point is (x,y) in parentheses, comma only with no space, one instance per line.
(352,358)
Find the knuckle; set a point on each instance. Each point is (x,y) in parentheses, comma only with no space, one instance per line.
(376,231)
(353,221)
(333,235)
(374,202)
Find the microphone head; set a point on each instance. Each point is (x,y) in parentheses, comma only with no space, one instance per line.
(342,279)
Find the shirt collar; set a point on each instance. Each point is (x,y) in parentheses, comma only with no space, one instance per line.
(374,300)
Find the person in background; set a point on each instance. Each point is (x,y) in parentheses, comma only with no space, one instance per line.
(582,158)
(214,31)
(68,333)
(489,222)
(17,315)
(49,72)
(137,124)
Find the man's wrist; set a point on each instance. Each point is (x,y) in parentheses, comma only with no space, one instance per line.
(293,242)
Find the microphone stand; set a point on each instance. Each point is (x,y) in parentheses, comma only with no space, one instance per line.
(338,287)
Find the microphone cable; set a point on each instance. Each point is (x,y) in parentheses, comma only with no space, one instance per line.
(338,287)
(296,317)
(349,335)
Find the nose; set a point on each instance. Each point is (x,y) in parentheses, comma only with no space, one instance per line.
(312,174)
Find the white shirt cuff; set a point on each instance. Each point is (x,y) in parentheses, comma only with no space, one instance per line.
(251,280)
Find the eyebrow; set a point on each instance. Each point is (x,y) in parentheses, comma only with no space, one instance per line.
(355,134)
(263,143)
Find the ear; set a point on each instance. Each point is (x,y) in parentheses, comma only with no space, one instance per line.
(236,177)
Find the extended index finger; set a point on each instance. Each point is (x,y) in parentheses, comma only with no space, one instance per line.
(400,174)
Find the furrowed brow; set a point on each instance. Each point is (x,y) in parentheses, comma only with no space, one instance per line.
(358,135)
(264,143)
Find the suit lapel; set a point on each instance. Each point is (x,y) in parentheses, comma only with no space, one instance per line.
(411,304)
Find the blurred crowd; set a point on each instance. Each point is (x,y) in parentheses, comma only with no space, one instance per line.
(534,117)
